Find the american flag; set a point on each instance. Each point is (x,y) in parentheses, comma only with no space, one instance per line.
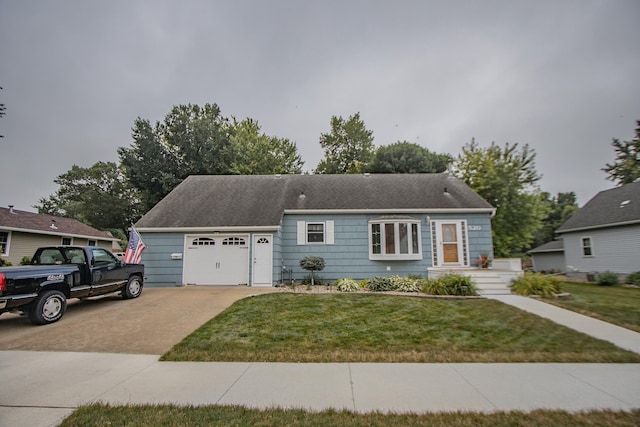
(134,248)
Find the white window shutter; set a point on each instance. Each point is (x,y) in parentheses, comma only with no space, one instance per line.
(329,232)
(302,233)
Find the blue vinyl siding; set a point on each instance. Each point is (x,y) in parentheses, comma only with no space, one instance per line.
(160,269)
(349,255)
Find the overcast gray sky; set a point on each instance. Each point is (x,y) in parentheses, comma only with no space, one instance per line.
(562,76)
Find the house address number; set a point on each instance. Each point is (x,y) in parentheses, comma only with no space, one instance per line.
(475,227)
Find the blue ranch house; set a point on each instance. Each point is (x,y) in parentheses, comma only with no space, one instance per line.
(254,230)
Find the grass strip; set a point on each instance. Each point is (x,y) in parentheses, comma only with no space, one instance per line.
(613,304)
(378,328)
(176,416)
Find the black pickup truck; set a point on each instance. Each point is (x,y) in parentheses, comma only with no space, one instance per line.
(56,274)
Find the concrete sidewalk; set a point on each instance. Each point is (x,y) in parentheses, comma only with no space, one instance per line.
(42,388)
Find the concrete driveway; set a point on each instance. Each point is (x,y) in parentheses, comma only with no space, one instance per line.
(151,324)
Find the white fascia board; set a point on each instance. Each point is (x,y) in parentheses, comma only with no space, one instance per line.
(57,233)
(491,211)
(234,229)
(594,227)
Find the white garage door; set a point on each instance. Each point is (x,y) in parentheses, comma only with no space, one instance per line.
(216,260)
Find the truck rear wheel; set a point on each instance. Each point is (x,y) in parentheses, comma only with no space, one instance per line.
(133,288)
(48,308)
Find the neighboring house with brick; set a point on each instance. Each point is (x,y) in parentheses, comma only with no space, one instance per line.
(21,233)
(254,230)
(604,235)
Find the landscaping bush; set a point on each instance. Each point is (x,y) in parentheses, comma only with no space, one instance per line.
(449,284)
(312,263)
(25,260)
(404,284)
(347,285)
(536,284)
(4,263)
(607,279)
(633,279)
(379,284)
(313,280)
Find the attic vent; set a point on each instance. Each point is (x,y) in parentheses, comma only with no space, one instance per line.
(278,176)
(53,225)
(625,203)
(367,175)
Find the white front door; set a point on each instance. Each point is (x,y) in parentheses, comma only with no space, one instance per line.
(262,260)
(450,244)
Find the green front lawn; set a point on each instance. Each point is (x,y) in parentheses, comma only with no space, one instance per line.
(174,416)
(381,328)
(614,304)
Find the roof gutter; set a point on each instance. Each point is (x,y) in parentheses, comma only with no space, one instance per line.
(593,227)
(491,211)
(50,233)
(232,229)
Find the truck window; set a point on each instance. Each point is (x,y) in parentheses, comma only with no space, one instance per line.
(102,257)
(75,256)
(50,256)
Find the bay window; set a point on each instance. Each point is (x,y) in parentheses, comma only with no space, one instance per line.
(395,239)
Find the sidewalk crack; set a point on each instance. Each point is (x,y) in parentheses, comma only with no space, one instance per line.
(233,383)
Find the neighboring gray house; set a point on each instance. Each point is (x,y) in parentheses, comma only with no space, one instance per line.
(21,233)
(549,257)
(254,230)
(605,234)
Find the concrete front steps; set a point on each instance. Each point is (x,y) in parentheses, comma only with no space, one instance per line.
(489,281)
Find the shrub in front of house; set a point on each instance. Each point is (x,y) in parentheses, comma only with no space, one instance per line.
(379,284)
(607,279)
(536,284)
(4,263)
(25,260)
(347,285)
(312,264)
(404,284)
(633,279)
(449,284)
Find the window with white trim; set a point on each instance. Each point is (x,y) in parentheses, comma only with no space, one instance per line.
(315,233)
(4,243)
(395,239)
(587,246)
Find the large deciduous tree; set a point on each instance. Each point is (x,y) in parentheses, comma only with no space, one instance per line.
(99,196)
(507,178)
(626,167)
(407,157)
(195,140)
(191,140)
(348,147)
(560,208)
(256,153)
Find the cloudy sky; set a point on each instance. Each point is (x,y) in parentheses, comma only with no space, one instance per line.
(560,75)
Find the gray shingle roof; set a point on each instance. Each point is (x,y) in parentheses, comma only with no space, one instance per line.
(29,221)
(552,246)
(617,206)
(260,200)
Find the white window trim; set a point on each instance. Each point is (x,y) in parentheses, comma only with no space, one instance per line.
(396,256)
(582,247)
(7,249)
(302,233)
(463,242)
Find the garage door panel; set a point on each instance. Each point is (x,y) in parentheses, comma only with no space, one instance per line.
(216,260)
